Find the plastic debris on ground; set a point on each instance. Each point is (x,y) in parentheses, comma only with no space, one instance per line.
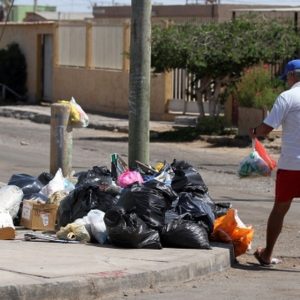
(167,205)
(230,229)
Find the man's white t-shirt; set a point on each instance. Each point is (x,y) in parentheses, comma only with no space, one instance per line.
(286,112)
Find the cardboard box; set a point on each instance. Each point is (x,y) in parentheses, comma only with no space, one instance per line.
(38,216)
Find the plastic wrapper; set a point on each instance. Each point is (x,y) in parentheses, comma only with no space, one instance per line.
(128,178)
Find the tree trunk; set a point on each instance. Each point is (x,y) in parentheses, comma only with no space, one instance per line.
(214,99)
(205,85)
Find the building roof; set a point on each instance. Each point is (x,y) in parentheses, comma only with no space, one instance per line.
(282,9)
(55,16)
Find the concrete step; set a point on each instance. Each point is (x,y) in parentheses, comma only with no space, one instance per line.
(186,121)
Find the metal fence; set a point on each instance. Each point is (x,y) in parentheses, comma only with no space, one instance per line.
(72,45)
(184,85)
(106,44)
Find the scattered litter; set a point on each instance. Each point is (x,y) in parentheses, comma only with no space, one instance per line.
(148,207)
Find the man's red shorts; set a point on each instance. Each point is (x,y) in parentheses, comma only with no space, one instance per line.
(287,185)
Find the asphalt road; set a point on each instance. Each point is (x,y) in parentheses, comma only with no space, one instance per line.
(25,148)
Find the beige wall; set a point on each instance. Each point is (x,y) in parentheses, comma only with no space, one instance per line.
(107,91)
(26,35)
(97,90)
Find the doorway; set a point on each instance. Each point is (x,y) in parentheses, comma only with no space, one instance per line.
(46,67)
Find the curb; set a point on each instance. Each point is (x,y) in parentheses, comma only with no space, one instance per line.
(23,115)
(44,118)
(108,284)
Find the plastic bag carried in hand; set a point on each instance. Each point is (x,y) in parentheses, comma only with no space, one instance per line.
(253,164)
(78,118)
(261,150)
(258,162)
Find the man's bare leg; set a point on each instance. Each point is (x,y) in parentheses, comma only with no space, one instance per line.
(274,227)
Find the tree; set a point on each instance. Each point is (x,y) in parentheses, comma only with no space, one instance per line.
(217,53)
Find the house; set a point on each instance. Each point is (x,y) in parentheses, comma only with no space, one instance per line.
(18,12)
(55,16)
(88,58)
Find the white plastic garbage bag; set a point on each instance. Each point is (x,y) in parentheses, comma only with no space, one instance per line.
(10,199)
(98,228)
(7,229)
(54,185)
(95,225)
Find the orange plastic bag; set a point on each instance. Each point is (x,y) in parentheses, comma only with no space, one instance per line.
(259,147)
(241,235)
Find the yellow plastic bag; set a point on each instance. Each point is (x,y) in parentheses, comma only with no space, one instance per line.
(231,226)
(78,118)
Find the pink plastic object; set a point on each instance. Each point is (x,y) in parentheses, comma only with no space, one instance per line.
(129,177)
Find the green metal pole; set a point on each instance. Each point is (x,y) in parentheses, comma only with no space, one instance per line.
(139,82)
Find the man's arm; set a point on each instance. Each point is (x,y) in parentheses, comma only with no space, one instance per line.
(261,130)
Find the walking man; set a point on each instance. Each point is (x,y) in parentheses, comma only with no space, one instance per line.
(285,112)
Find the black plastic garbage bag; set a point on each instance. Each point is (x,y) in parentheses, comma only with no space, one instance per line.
(187,178)
(98,175)
(221,208)
(171,215)
(199,209)
(81,200)
(27,183)
(44,178)
(30,186)
(148,201)
(169,194)
(128,230)
(40,197)
(185,234)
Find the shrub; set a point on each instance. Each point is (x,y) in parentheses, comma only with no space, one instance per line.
(13,68)
(211,125)
(257,88)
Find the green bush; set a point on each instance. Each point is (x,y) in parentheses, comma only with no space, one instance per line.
(257,88)
(13,68)
(211,125)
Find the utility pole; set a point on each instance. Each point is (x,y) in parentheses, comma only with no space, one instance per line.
(34,5)
(139,82)
(6,4)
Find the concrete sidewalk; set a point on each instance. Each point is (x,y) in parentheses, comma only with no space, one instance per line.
(42,113)
(45,270)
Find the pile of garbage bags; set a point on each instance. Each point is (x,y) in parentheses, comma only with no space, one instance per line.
(150,207)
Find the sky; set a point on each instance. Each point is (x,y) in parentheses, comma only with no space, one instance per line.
(86,5)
